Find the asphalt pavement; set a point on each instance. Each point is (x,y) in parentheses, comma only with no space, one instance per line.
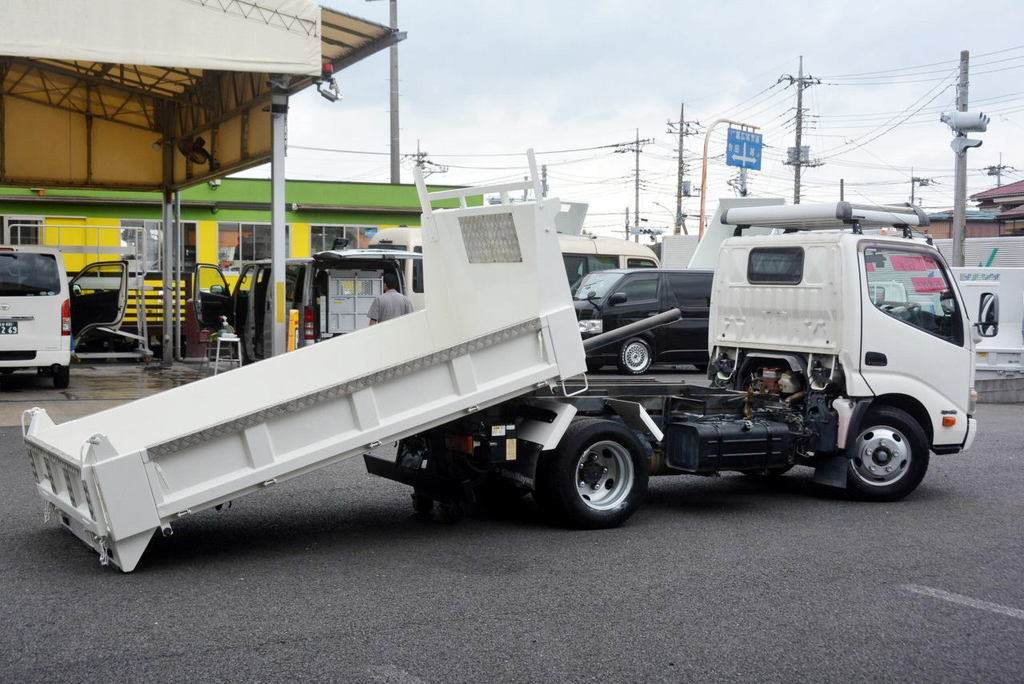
(330,577)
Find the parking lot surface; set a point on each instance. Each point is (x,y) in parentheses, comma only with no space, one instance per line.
(331,577)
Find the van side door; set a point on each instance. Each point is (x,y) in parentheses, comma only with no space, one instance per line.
(241,301)
(687,338)
(99,295)
(211,296)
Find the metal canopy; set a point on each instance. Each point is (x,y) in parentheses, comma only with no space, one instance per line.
(69,122)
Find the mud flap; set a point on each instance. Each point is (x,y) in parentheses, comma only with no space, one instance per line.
(831,471)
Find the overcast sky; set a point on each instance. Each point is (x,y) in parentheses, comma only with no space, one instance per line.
(484,80)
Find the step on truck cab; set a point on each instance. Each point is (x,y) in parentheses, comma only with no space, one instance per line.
(844,312)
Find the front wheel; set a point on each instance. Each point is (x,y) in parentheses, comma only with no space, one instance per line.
(890,456)
(635,357)
(596,477)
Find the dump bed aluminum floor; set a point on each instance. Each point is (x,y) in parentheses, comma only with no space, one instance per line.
(499,322)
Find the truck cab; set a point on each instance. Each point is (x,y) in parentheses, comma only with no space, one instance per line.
(843,308)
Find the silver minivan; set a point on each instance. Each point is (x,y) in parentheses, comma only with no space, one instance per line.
(42,313)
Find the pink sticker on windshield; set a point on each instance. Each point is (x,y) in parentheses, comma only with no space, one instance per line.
(911,263)
(926,284)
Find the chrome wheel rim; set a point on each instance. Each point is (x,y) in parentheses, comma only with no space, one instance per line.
(635,356)
(604,475)
(882,456)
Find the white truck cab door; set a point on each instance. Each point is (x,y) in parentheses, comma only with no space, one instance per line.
(99,295)
(915,339)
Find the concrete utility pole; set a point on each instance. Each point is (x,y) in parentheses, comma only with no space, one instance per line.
(684,128)
(960,181)
(396,167)
(998,171)
(796,157)
(917,181)
(422,162)
(635,148)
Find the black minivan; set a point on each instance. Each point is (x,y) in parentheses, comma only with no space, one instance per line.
(606,300)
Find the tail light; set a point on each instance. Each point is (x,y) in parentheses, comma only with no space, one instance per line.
(65,317)
(308,324)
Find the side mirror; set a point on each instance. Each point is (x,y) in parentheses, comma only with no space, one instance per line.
(618,298)
(217,289)
(988,315)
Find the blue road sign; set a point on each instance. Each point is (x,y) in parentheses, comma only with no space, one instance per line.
(743,149)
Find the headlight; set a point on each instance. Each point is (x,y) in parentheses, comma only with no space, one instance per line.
(592,326)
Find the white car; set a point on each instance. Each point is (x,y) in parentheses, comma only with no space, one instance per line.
(41,312)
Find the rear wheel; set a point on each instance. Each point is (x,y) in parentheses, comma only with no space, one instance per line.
(635,357)
(61,377)
(595,478)
(889,458)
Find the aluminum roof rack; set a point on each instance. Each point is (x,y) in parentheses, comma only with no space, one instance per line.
(826,216)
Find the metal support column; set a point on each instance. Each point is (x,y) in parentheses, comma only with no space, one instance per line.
(167,271)
(278,249)
(179,243)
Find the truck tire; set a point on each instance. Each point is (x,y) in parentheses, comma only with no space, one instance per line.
(635,357)
(596,477)
(889,457)
(61,377)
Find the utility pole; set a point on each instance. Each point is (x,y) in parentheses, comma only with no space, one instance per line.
(635,148)
(739,183)
(627,223)
(962,122)
(396,168)
(917,181)
(960,181)
(998,171)
(797,158)
(422,162)
(684,128)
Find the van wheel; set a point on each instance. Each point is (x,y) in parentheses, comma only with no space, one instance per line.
(635,357)
(61,377)
(596,477)
(889,456)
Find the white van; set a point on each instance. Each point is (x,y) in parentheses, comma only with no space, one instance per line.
(41,313)
(581,254)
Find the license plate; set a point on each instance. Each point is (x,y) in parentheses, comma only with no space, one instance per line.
(8,327)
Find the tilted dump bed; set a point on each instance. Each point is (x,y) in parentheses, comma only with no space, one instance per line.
(499,321)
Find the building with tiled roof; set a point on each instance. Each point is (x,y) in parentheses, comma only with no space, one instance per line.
(1007,202)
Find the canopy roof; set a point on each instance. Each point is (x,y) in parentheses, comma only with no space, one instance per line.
(118,93)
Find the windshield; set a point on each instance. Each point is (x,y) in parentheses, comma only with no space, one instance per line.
(25,274)
(596,285)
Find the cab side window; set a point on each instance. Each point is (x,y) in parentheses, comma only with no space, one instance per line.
(640,290)
(913,287)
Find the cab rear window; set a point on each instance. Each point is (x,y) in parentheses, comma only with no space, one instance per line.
(775,266)
(24,274)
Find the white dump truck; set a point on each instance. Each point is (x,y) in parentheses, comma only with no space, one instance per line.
(485,394)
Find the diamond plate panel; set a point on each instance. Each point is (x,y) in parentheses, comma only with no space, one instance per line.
(490,239)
